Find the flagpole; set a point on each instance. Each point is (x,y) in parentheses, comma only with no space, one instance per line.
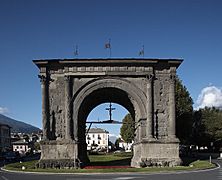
(143,51)
(76,53)
(110,51)
(108,46)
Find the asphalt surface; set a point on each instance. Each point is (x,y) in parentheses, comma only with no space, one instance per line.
(213,174)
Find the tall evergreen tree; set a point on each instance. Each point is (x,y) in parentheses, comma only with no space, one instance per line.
(184,112)
(128,129)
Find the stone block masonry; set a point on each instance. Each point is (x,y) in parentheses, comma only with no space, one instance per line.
(71,88)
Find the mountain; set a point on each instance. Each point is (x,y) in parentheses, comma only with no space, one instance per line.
(18,126)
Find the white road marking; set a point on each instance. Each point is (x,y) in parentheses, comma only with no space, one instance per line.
(220,175)
(75,179)
(3,177)
(124,178)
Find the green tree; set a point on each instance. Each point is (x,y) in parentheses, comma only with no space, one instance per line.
(198,134)
(117,143)
(208,127)
(128,129)
(36,146)
(212,119)
(184,112)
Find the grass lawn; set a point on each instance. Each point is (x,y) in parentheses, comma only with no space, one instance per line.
(119,159)
(110,160)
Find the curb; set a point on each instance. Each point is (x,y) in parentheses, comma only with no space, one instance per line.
(122,173)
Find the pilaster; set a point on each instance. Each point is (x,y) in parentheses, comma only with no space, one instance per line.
(45,107)
(149,128)
(68,111)
(172,108)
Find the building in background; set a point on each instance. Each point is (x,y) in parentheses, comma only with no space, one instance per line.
(32,137)
(125,146)
(26,143)
(21,146)
(5,138)
(97,139)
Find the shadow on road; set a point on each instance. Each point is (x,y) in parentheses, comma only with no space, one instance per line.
(198,156)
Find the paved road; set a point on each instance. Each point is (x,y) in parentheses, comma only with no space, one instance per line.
(215,174)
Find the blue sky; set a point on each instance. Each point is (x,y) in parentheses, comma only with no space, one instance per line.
(191,30)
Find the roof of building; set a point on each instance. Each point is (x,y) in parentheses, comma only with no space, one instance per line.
(5,125)
(98,130)
(116,61)
(20,142)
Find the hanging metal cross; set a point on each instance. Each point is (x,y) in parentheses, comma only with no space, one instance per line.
(110,109)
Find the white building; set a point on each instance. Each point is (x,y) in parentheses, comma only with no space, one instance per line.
(126,146)
(97,139)
(21,146)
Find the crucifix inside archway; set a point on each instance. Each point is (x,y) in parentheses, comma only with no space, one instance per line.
(110,109)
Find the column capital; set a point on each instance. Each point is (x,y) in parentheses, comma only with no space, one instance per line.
(172,78)
(42,78)
(67,78)
(150,77)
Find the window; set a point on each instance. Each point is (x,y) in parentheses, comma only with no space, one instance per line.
(99,137)
(88,137)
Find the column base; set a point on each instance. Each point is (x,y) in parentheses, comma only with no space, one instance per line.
(58,163)
(60,154)
(149,139)
(159,153)
(173,138)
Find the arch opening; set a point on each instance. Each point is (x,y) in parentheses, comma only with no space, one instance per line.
(97,97)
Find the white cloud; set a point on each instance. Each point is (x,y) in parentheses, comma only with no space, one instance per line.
(3,110)
(210,96)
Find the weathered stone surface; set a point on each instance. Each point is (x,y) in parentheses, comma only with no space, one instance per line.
(157,153)
(72,88)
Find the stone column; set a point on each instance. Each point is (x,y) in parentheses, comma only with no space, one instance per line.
(45,107)
(149,123)
(68,113)
(172,108)
(75,126)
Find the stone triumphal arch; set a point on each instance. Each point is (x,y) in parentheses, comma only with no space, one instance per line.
(71,88)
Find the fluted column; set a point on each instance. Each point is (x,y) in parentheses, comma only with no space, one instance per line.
(149,123)
(172,108)
(68,113)
(45,107)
